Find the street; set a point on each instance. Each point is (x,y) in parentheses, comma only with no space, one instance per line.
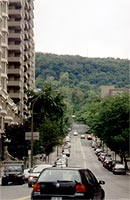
(117,187)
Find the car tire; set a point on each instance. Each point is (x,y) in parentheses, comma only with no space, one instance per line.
(4,182)
(29,185)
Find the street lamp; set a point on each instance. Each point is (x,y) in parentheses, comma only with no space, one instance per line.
(35,100)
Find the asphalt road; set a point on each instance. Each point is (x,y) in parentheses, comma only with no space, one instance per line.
(117,187)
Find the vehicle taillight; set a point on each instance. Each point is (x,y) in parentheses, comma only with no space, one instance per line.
(80,188)
(36,188)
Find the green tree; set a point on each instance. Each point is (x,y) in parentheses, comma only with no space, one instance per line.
(48,114)
(18,146)
(111,124)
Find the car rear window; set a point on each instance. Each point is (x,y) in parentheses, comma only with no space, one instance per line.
(119,166)
(57,174)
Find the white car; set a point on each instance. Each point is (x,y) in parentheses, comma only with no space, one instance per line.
(66,152)
(82,136)
(61,162)
(67,138)
(75,133)
(66,145)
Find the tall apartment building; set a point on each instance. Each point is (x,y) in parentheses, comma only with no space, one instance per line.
(20,52)
(17,71)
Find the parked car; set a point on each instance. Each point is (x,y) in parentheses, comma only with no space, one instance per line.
(98,150)
(111,163)
(12,172)
(66,145)
(67,138)
(119,168)
(67,183)
(107,162)
(66,152)
(101,156)
(82,136)
(93,144)
(34,173)
(62,161)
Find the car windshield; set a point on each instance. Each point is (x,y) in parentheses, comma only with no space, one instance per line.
(39,168)
(49,175)
(13,168)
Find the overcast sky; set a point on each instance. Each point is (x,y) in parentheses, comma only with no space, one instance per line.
(90,28)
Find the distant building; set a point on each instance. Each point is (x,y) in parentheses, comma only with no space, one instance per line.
(112,91)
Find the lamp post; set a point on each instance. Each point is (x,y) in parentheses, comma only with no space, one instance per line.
(35,100)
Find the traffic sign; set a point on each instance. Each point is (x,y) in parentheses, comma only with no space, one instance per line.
(28,136)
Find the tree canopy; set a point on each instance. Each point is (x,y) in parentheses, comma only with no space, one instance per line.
(72,70)
(47,109)
(109,120)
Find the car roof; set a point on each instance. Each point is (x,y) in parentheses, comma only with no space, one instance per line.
(42,165)
(68,168)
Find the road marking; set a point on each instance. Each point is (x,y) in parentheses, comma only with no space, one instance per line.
(83,155)
(23,198)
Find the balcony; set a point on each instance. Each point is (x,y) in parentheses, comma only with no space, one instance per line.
(15,59)
(15,95)
(16,24)
(14,83)
(15,36)
(15,47)
(14,71)
(16,12)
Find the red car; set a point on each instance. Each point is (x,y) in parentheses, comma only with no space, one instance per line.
(89,137)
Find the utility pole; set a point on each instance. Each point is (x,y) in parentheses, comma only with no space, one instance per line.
(35,100)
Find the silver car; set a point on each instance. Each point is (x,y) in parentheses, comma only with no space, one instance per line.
(34,173)
(118,169)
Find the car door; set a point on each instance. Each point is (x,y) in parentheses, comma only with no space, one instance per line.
(94,187)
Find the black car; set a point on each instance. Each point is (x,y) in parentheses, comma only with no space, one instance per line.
(67,183)
(107,162)
(13,173)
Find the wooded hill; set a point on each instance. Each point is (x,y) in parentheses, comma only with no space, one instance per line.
(79,71)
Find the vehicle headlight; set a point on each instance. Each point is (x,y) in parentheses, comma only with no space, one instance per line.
(30,178)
